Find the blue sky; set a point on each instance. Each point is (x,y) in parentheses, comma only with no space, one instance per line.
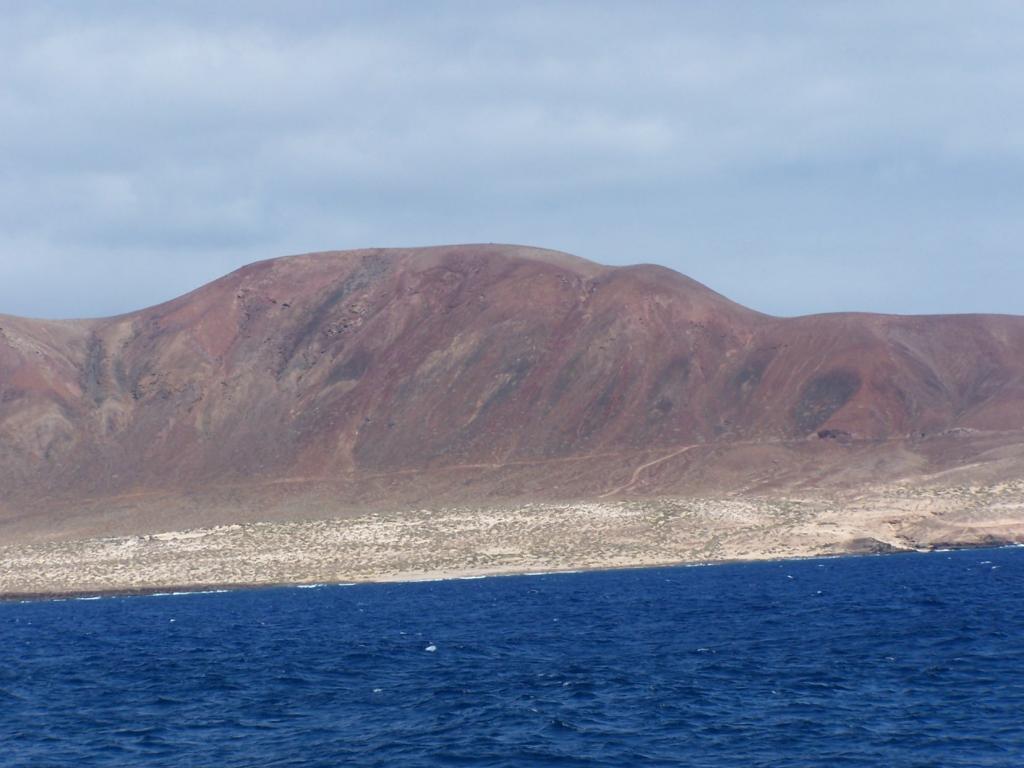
(796,156)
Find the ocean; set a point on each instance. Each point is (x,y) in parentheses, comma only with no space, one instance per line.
(897,660)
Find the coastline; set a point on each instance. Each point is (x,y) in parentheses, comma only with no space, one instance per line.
(179,590)
(470,543)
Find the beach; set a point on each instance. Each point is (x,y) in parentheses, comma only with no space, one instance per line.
(460,542)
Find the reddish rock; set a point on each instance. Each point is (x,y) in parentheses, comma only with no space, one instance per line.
(320,384)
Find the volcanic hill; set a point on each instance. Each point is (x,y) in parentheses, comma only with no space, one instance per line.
(321,385)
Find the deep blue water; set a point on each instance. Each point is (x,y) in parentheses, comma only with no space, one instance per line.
(903,660)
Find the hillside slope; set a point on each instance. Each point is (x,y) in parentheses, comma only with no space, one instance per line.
(319,385)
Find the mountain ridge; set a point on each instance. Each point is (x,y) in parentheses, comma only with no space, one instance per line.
(347,367)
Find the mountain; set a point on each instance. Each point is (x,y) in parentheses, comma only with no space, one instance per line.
(325,384)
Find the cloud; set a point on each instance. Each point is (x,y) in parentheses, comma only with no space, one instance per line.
(843,155)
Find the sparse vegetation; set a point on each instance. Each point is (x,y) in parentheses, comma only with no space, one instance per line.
(456,541)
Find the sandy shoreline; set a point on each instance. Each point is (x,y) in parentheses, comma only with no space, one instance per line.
(415,578)
(469,542)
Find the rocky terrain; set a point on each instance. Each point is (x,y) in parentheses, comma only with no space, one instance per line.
(337,385)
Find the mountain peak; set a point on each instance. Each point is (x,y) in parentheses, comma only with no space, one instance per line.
(378,377)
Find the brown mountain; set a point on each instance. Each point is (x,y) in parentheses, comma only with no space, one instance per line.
(316,385)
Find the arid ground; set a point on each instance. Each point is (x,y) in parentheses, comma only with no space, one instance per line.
(466,541)
(390,413)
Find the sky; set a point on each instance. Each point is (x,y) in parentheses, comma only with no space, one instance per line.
(798,157)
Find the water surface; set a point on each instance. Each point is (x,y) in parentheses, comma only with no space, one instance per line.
(903,660)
